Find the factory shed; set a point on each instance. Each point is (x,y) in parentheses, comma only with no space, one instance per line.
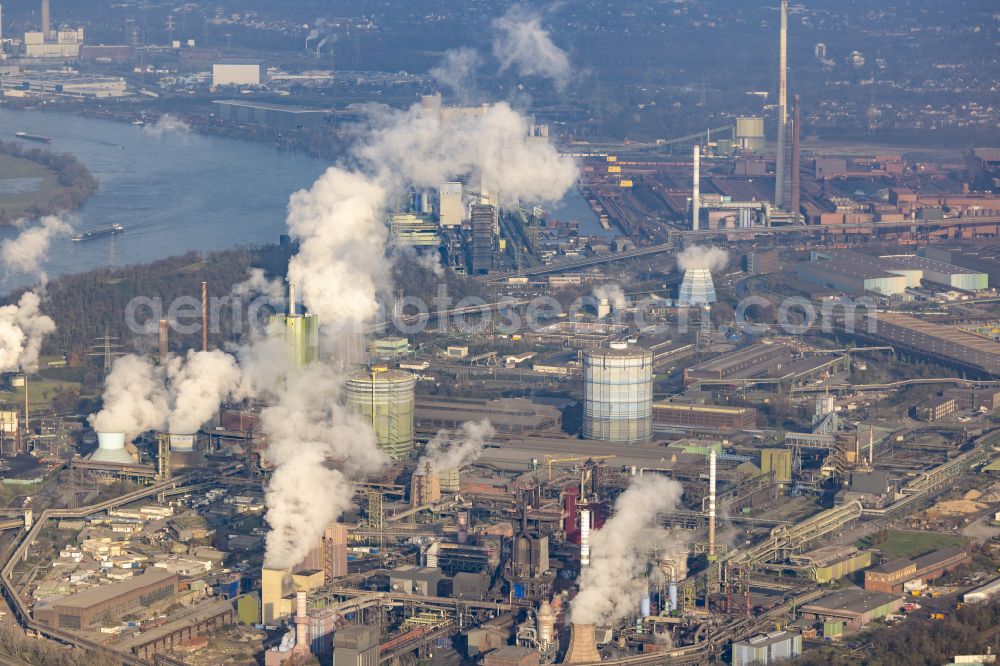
(855,607)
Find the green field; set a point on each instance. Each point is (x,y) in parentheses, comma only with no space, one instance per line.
(13,205)
(900,543)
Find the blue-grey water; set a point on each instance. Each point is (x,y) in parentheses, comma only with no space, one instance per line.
(176,191)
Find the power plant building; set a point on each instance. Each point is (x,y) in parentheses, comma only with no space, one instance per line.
(750,134)
(484,238)
(301,334)
(618,394)
(386,398)
(451,210)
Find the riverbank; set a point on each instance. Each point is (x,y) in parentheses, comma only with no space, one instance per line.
(35,182)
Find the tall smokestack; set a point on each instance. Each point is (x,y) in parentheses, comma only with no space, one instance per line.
(780,165)
(795,159)
(164,341)
(871,447)
(291,298)
(696,188)
(301,626)
(204,316)
(584,535)
(45,20)
(711,504)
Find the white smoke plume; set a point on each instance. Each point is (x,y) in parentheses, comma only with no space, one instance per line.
(24,254)
(492,147)
(167,124)
(135,398)
(258,284)
(22,327)
(612,292)
(341,220)
(340,266)
(521,42)
(310,428)
(614,583)
(457,73)
(702,256)
(342,269)
(199,382)
(453,449)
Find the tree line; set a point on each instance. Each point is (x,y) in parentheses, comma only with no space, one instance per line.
(76,183)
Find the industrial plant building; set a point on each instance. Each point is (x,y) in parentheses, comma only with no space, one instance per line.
(274,116)
(852,608)
(945,344)
(858,273)
(508,415)
(704,416)
(891,576)
(87,608)
(767,648)
(743,363)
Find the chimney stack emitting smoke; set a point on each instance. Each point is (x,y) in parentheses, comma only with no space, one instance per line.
(711,504)
(584,534)
(164,341)
(696,188)
(204,316)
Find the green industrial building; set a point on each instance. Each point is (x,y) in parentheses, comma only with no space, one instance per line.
(301,335)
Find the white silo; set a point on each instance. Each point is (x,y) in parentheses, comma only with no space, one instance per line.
(111,449)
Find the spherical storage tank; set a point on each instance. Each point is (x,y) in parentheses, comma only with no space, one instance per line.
(386,398)
(618,394)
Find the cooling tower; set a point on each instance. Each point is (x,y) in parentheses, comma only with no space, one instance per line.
(618,394)
(582,645)
(111,449)
(385,397)
(697,288)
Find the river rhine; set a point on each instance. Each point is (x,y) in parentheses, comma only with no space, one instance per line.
(177,191)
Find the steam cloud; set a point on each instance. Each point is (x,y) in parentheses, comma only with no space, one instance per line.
(702,256)
(167,124)
(452,449)
(457,73)
(24,254)
(309,427)
(199,383)
(340,220)
(523,43)
(22,327)
(614,583)
(135,398)
(613,293)
(341,270)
